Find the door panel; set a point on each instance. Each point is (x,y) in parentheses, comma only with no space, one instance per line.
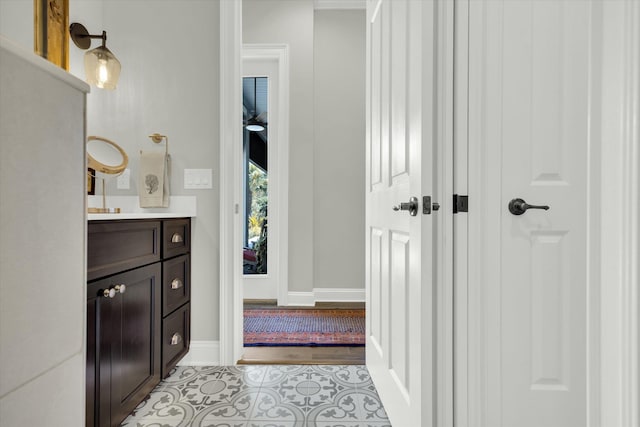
(529,113)
(399,260)
(136,340)
(375,282)
(399,315)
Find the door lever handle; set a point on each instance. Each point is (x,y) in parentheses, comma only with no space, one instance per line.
(411,206)
(519,206)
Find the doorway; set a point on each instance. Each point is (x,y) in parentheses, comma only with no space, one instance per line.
(326,157)
(263,231)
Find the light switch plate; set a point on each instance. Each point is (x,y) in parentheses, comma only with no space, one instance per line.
(198,179)
(124,180)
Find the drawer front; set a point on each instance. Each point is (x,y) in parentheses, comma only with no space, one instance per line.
(176,283)
(113,247)
(176,237)
(175,338)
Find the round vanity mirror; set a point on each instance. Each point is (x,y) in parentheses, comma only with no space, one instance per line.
(106,159)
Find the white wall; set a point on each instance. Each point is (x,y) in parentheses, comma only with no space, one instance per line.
(291,22)
(42,242)
(339,149)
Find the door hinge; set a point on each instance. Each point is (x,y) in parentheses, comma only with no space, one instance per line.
(460,203)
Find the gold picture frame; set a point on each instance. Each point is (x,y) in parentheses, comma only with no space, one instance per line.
(91,181)
(51,31)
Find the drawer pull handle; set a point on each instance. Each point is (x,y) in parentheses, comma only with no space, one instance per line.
(176,284)
(176,339)
(109,293)
(177,238)
(120,288)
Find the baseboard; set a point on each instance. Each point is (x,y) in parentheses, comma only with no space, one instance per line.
(326,295)
(202,353)
(301,298)
(339,295)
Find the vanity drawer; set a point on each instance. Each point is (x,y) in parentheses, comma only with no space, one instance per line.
(176,283)
(176,237)
(113,247)
(175,338)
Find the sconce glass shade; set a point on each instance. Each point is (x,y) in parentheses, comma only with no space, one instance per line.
(102,68)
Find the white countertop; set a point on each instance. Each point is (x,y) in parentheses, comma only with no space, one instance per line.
(179,207)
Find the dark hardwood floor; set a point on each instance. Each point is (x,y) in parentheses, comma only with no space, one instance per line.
(303,355)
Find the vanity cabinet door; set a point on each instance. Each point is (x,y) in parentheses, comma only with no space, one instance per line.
(123,343)
(91,380)
(99,336)
(136,340)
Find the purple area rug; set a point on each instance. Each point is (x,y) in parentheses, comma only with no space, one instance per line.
(304,327)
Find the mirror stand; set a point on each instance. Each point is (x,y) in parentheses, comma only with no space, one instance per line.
(106,159)
(104,208)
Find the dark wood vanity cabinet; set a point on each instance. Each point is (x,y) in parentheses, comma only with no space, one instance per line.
(138,318)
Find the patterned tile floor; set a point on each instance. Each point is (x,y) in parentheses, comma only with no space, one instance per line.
(263,396)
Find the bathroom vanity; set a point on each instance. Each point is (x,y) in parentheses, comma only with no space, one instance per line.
(138,318)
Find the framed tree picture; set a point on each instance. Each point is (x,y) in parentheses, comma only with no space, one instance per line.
(51,30)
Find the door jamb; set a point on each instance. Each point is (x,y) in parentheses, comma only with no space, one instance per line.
(278,53)
(231,292)
(230,333)
(443,191)
(618,206)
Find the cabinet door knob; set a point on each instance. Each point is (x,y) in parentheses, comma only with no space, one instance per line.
(109,293)
(177,238)
(120,288)
(176,284)
(176,339)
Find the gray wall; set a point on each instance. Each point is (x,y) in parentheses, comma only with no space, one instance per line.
(326,197)
(160,90)
(339,149)
(169,84)
(291,22)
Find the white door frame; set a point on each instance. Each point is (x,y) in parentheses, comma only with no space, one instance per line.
(278,188)
(618,208)
(231,345)
(231,292)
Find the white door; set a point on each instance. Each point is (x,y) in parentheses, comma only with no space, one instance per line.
(530,88)
(400,130)
(262,285)
(270,61)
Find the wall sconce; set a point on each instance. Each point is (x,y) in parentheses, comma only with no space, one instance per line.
(101,66)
